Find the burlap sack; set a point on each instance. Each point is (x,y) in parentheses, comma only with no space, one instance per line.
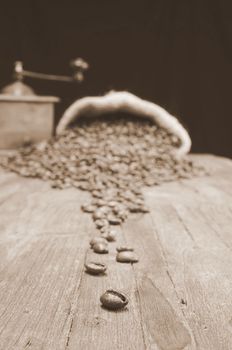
(123,101)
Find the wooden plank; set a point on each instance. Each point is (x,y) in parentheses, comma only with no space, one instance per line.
(198,260)
(97,328)
(198,276)
(33,208)
(163,323)
(46,222)
(179,291)
(37,293)
(220,172)
(43,266)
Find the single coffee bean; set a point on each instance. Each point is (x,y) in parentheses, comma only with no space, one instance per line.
(110,235)
(113,300)
(134,208)
(104,229)
(100,248)
(95,268)
(144,209)
(99,202)
(123,214)
(97,240)
(104,209)
(84,186)
(127,257)
(101,223)
(136,191)
(124,249)
(97,194)
(113,220)
(112,204)
(138,201)
(88,208)
(98,214)
(150,181)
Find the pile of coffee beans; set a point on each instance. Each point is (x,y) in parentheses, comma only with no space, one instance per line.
(113,158)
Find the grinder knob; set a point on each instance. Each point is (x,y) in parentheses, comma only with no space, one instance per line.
(79,66)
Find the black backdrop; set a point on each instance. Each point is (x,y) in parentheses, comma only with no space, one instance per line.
(175,53)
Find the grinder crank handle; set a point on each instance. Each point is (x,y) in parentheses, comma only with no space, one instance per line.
(78,65)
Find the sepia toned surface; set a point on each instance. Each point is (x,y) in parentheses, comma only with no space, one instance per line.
(179,292)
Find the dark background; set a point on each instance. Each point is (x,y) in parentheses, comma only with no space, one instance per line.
(175,53)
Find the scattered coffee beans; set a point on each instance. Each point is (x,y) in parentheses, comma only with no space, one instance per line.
(113,300)
(111,158)
(95,268)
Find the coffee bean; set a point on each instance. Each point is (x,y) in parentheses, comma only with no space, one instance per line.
(127,257)
(101,223)
(149,181)
(100,248)
(99,214)
(134,208)
(112,204)
(97,194)
(124,249)
(88,208)
(104,229)
(123,214)
(95,268)
(113,220)
(96,240)
(84,186)
(113,300)
(109,235)
(144,209)
(99,202)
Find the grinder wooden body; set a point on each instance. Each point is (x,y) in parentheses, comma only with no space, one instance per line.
(25,118)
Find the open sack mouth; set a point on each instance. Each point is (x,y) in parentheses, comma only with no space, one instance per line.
(128,103)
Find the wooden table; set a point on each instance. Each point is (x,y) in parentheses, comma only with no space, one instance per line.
(180,291)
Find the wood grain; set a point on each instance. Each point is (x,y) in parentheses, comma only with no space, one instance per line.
(179,291)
